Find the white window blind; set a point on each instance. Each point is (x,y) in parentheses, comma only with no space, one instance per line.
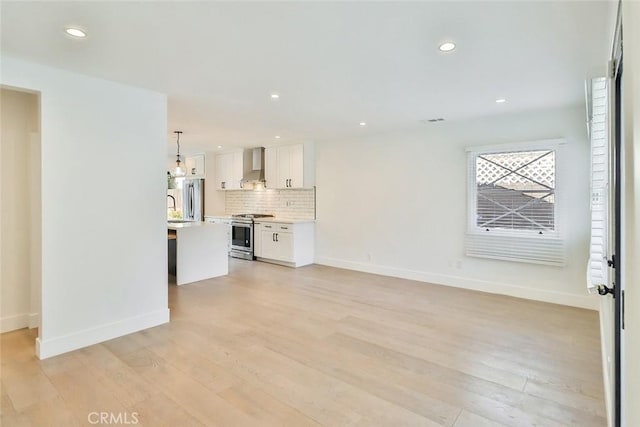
(513,204)
(515,190)
(599,136)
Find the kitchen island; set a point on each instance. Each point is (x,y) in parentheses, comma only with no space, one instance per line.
(201,251)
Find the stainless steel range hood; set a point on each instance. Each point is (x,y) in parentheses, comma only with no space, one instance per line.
(253,162)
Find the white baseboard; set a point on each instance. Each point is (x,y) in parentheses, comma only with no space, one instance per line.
(58,345)
(11,323)
(34,320)
(581,301)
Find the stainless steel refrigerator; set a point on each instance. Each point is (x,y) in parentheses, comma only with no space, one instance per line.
(191,194)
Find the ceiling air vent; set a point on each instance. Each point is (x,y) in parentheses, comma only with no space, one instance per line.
(425,121)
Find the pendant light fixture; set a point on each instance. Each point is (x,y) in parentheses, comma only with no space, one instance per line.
(178,171)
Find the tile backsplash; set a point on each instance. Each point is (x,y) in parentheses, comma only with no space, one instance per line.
(298,203)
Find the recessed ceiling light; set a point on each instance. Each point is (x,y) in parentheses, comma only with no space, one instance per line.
(219,146)
(447,46)
(363,124)
(500,101)
(277,136)
(75,32)
(275,96)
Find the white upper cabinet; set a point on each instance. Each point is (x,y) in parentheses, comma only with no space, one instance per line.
(195,166)
(271,167)
(290,166)
(229,169)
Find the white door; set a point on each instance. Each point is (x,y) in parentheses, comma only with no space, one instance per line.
(236,169)
(222,171)
(269,246)
(284,166)
(598,276)
(296,166)
(284,241)
(606,228)
(271,168)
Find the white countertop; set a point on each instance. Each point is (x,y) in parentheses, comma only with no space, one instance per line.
(180,225)
(283,220)
(259,220)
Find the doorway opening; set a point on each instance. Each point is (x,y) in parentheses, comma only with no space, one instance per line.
(20,211)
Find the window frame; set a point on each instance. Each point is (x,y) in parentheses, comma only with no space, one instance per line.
(518,245)
(555,145)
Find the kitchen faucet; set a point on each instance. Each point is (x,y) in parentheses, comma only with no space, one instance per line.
(174,201)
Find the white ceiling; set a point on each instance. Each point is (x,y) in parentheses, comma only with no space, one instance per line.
(334,64)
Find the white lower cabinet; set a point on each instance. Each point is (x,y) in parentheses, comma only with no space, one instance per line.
(284,243)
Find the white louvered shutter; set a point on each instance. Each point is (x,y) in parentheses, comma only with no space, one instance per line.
(597,269)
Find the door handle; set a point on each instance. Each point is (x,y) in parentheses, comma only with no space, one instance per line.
(276,237)
(604,290)
(192,195)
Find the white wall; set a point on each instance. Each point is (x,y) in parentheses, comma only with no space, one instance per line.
(213,199)
(104,248)
(396,204)
(20,239)
(631,213)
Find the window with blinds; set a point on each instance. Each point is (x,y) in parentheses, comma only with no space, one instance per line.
(512,203)
(515,190)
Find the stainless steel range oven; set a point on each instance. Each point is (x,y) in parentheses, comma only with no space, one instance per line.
(242,235)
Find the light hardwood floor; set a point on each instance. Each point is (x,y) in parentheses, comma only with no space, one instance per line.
(269,345)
